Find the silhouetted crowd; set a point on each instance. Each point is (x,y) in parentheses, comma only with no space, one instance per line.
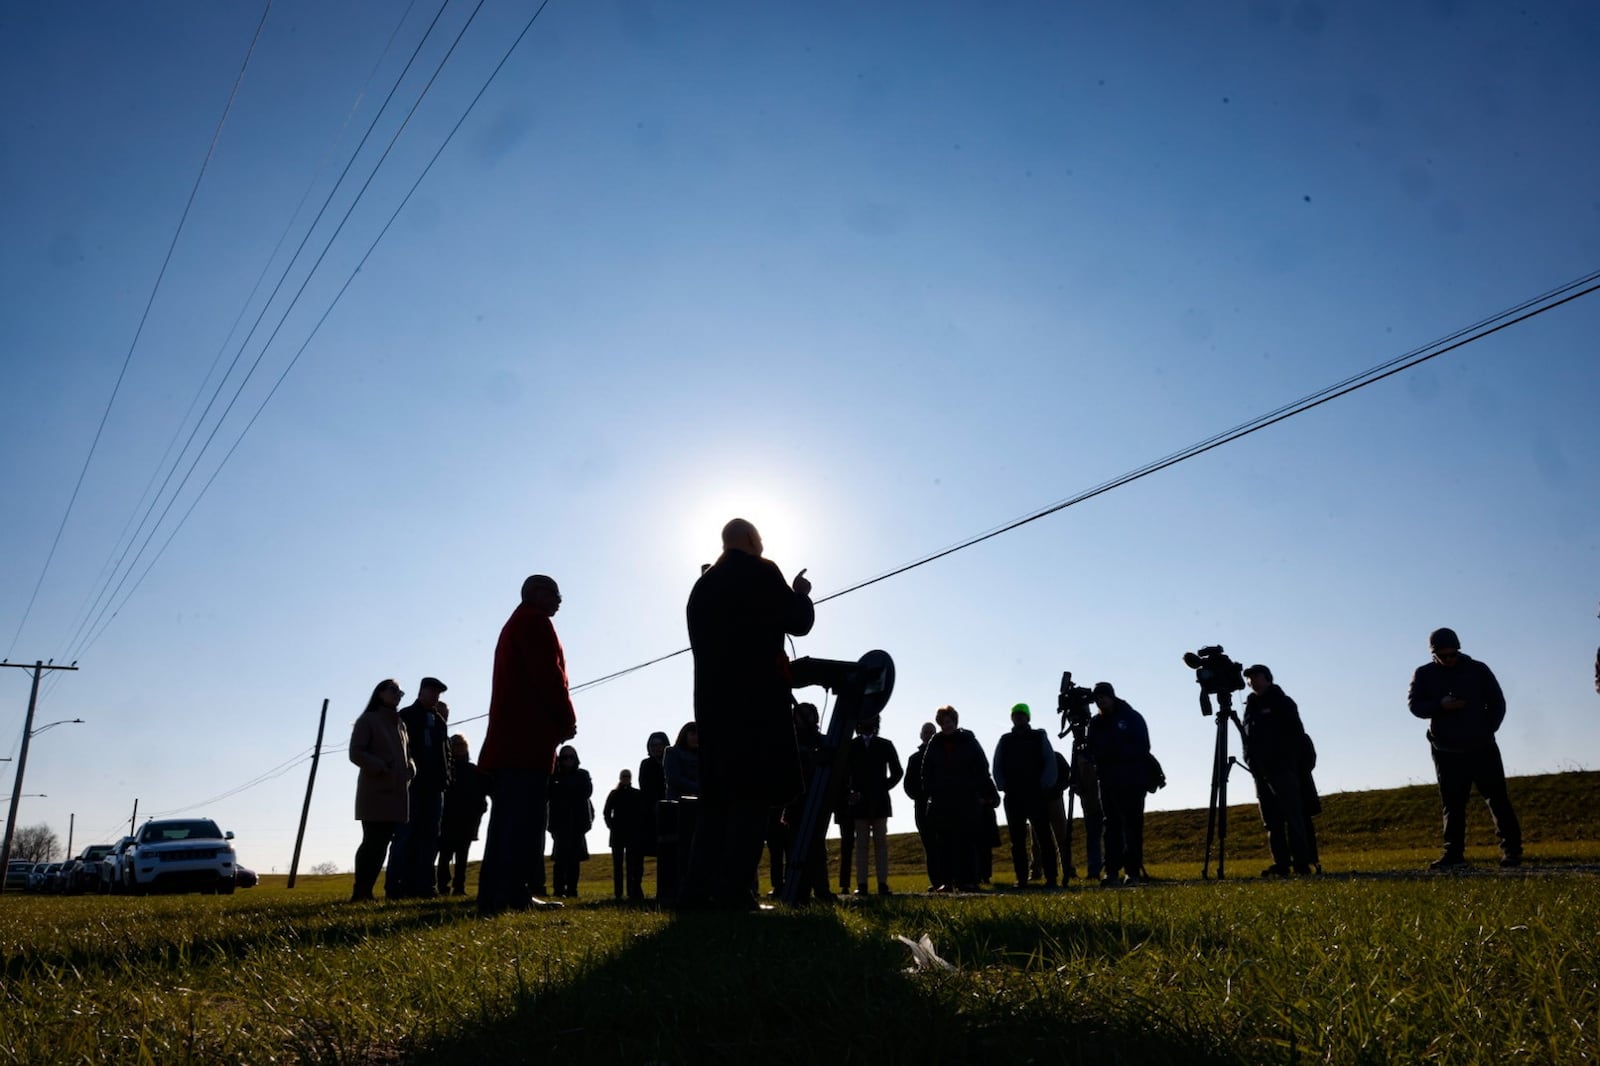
(733,781)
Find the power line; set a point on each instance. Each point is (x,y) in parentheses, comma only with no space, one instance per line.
(113,561)
(1485,327)
(1529,308)
(326,313)
(260,779)
(1495,323)
(104,598)
(139,331)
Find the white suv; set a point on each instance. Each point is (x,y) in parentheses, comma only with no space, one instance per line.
(180,853)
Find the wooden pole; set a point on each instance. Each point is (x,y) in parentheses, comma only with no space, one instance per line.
(305,810)
(37,669)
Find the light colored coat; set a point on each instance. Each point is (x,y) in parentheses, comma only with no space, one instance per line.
(378,747)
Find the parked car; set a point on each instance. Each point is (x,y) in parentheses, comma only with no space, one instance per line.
(39,878)
(114,867)
(184,854)
(83,874)
(245,877)
(17,871)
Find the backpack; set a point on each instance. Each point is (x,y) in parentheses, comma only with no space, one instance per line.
(1157,776)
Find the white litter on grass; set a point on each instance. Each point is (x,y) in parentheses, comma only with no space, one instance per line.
(923,955)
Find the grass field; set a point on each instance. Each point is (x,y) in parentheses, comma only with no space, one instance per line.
(1374,962)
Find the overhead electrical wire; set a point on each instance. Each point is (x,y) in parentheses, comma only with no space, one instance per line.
(113,560)
(1522,312)
(104,599)
(329,310)
(1531,308)
(139,330)
(1527,309)
(261,779)
(1456,340)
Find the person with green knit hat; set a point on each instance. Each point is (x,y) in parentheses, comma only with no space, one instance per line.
(1025,770)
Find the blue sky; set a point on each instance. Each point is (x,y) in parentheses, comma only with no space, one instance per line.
(878,277)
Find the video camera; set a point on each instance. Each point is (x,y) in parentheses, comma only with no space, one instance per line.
(1215,673)
(1072,703)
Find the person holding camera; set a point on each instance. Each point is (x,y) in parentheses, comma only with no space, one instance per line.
(1119,743)
(1464,706)
(1274,748)
(1025,770)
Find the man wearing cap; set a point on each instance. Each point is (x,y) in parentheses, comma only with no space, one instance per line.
(1119,743)
(415,849)
(1464,706)
(1274,748)
(530,714)
(1025,770)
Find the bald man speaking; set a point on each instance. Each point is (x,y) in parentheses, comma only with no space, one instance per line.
(739,612)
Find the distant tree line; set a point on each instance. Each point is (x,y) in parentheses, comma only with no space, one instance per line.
(35,843)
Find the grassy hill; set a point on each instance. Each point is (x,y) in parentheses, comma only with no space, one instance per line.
(1556,811)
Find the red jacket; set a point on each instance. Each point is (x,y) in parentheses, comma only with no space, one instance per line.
(530,712)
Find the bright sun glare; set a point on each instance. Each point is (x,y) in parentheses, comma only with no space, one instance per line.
(783,535)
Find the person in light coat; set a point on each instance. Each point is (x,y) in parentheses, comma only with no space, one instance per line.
(378,747)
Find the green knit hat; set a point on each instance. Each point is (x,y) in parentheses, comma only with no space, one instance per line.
(1022,709)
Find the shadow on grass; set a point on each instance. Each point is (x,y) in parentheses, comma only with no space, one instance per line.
(178,946)
(801,987)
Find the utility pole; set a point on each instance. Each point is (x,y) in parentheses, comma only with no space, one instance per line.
(305,811)
(72,822)
(38,668)
(133,817)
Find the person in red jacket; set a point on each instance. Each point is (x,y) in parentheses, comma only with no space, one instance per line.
(530,714)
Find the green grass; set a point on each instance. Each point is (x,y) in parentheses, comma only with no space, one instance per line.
(1373,962)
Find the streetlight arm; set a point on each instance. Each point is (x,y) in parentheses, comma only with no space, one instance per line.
(52,725)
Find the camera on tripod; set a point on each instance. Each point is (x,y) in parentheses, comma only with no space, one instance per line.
(1073,703)
(1216,674)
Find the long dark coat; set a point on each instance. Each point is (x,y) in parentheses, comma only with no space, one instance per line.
(570,812)
(465,800)
(624,815)
(874,771)
(738,614)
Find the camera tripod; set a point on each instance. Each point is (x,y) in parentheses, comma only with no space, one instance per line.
(1080,750)
(1221,765)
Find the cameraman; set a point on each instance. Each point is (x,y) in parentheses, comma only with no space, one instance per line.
(1274,748)
(1119,743)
